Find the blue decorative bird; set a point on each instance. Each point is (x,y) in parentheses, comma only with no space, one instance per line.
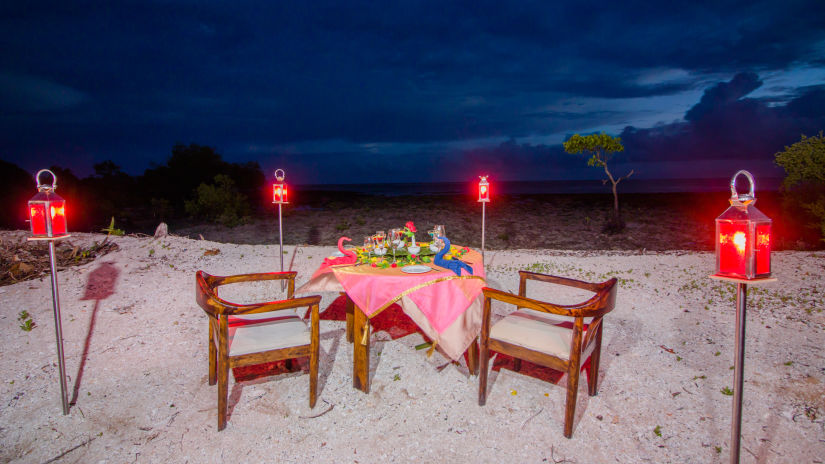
(451,264)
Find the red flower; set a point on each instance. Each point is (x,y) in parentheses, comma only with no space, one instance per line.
(374,265)
(411,227)
(414,256)
(394,265)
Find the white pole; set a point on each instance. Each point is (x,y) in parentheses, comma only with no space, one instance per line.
(58,330)
(483,220)
(281,240)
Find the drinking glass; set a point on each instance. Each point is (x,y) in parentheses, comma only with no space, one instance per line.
(368,246)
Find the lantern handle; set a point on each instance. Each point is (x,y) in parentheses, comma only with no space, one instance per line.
(280,176)
(42,186)
(748,197)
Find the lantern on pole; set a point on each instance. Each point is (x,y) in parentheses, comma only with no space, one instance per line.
(47,216)
(483,198)
(280,197)
(743,257)
(743,236)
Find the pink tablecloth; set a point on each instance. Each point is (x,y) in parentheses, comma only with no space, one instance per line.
(445,306)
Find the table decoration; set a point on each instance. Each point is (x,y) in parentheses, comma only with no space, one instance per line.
(455,265)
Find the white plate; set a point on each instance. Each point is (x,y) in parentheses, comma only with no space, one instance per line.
(337,254)
(416,269)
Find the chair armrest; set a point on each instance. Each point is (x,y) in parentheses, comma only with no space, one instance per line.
(232,309)
(217,281)
(524,302)
(527,275)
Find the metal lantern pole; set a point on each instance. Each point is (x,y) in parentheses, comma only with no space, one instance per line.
(743,247)
(58,329)
(483,198)
(738,371)
(483,221)
(279,196)
(281,235)
(47,217)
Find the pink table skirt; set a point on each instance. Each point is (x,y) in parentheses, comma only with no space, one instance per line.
(445,306)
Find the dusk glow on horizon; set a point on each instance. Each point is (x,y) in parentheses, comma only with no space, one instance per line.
(363,92)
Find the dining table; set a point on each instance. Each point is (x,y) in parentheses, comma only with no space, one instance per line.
(447,307)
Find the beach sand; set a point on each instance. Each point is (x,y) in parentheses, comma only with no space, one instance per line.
(136,356)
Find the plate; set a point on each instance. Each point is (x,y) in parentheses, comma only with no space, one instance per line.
(337,254)
(416,269)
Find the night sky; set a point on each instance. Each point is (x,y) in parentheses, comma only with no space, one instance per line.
(354,92)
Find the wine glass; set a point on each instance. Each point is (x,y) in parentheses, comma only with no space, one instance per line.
(437,244)
(368,245)
(378,238)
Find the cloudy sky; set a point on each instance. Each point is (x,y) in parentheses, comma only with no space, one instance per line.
(338,92)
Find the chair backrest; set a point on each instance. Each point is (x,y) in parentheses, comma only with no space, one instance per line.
(601,303)
(207,296)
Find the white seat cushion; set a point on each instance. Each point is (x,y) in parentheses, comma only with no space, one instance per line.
(254,333)
(535,330)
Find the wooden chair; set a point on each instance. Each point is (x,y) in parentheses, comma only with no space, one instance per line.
(535,332)
(245,334)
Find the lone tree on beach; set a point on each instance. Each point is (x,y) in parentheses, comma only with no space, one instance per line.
(601,147)
(804,164)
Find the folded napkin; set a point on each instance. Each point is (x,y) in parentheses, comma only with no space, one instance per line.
(451,264)
(348,258)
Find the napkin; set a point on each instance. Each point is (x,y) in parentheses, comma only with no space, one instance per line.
(451,264)
(348,258)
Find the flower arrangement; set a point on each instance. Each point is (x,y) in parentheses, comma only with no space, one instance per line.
(402,256)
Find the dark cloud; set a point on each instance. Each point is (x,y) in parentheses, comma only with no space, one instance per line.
(725,125)
(88,81)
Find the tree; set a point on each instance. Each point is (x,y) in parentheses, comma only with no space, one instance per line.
(601,148)
(804,164)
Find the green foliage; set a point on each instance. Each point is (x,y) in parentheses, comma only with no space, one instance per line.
(727,391)
(804,165)
(657,430)
(600,147)
(219,202)
(111,230)
(26,322)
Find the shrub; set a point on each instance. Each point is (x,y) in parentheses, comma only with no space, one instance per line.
(220,202)
(804,164)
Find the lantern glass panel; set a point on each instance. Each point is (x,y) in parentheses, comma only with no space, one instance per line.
(58,217)
(763,248)
(37,215)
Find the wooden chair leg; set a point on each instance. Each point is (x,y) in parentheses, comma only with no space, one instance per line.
(472,357)
(313,359)
(517,364)
(593,371)
(484,354)
(223,390)
(350,307)
(213,354)
(570,405)
(223,372)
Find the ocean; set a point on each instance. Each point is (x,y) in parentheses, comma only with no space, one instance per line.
(547,187)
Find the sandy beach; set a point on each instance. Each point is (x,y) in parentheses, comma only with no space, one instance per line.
(136,355)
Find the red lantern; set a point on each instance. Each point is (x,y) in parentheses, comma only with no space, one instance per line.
(279,189)
(743,237)
(483,190)
(47,210)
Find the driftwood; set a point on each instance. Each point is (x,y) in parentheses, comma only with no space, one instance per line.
(24,260)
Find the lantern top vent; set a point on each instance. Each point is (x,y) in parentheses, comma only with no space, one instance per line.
(43,187)
(744,199)
(280,175)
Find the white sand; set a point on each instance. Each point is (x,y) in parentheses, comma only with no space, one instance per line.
(143,395)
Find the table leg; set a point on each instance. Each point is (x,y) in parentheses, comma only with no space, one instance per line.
(472,357)
(361,351)
(350,307)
